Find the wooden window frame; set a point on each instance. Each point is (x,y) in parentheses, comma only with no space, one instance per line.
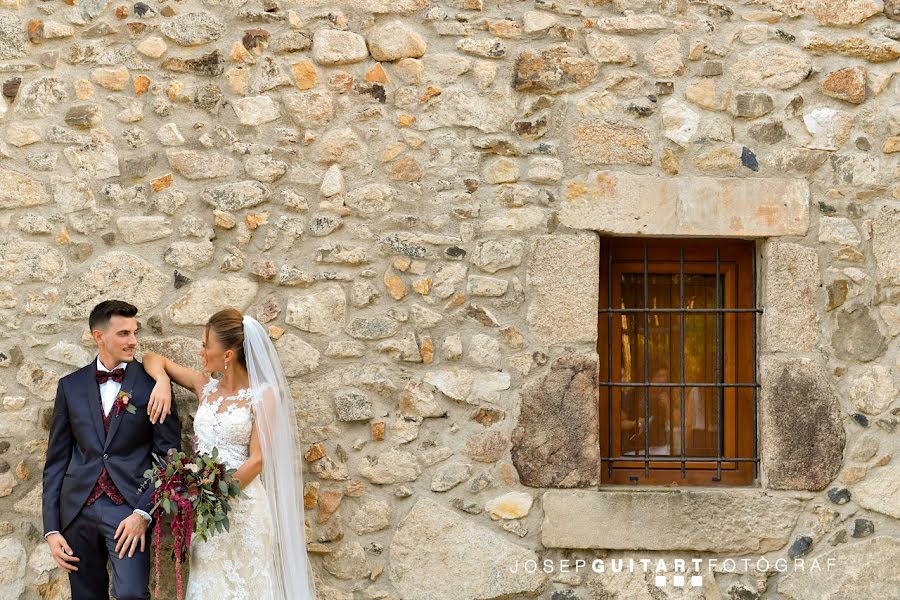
(736,382)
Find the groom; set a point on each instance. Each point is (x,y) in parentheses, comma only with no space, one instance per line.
(96,500)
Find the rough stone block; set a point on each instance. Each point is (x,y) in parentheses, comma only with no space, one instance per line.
(801,425)
(863,570)
(790,322)
(555,442)
(437,554)
(562,284)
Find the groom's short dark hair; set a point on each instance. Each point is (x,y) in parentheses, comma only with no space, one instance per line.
(103,312)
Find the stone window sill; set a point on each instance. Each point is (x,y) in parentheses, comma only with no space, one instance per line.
(731,520)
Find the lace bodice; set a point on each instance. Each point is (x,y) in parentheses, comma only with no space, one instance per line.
(224,422)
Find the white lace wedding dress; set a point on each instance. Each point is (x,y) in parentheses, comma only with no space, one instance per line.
(238,564)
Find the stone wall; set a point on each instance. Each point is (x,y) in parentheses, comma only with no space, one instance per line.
(409,194)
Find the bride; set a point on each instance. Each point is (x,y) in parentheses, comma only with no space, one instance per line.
(248,415)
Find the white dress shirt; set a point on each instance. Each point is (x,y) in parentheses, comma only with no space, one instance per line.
(111,388)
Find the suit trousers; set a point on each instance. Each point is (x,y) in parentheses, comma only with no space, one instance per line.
(90,535)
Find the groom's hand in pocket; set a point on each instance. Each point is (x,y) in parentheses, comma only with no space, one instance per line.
(61,552)
(129,534)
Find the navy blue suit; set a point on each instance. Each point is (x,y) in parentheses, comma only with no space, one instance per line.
(78,449)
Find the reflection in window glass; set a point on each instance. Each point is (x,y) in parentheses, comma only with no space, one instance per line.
(664,359)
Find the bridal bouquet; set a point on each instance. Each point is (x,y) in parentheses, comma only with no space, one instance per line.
(193,489)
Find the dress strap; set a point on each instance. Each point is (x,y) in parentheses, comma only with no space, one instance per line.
(211,385)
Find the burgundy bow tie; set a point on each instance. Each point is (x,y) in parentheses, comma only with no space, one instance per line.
(116,375)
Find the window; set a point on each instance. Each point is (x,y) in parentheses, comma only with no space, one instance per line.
(677,343)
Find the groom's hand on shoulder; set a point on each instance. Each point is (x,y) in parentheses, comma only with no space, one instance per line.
(130,531)
(61,552)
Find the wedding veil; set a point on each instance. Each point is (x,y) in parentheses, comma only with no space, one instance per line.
(281,473)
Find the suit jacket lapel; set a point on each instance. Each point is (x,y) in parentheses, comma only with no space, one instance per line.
(115,420)
(93,400)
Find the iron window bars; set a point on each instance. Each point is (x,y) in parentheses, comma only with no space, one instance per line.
(719,385)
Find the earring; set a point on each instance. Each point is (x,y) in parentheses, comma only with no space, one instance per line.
(226,366)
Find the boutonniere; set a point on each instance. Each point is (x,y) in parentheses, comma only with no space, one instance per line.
(123,400)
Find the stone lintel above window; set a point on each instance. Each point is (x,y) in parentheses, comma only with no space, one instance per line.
(621,203)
